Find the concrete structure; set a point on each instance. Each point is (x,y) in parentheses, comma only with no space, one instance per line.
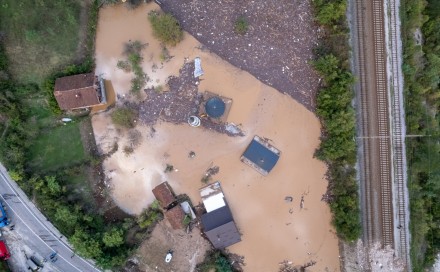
(218,223)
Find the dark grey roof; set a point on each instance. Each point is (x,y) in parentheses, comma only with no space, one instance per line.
(224,235)
(216,218)
(261,156)
(215,107)
(220,228)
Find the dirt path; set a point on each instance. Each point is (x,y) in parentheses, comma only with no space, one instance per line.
(81,51)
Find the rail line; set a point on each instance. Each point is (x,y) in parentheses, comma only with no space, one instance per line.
(376,174)
(381,131)
(398,139)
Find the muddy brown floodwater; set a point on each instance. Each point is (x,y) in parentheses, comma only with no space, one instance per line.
(273,229)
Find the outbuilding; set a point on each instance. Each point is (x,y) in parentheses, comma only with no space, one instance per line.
(261,155)
(164,194)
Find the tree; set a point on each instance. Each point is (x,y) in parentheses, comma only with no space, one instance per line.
(327,66)
(85,245)
(66,217)
(113,238)
(328,13)
(52,185)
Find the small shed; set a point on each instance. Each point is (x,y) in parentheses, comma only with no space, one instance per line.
(164,194)
(79,91)
(261,155)
(175,216)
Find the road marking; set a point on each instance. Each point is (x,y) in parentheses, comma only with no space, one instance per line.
(45,227)
(16,214)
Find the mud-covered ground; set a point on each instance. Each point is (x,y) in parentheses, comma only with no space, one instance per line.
(276,49)
(180,102)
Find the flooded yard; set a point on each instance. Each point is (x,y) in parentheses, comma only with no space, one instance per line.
(272,229)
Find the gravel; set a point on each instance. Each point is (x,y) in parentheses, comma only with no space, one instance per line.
(276,49)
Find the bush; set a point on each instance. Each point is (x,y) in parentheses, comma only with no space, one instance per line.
(132,50)
(241,26)
(149,217)
(165,28)
(124,117)
(215,261)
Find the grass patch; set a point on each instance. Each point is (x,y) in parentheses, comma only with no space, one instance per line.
(124,117)
(56,148)
(241,26)
(40,35)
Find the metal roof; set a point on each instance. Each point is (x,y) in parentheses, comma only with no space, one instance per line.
(261,156)
(220,228)
(215,107)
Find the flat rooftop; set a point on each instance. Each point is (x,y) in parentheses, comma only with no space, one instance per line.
(261,155)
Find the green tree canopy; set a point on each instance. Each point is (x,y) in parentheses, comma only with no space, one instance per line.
(113,237)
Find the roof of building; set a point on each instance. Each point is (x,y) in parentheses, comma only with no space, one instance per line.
(220,228)
(215,107)
(212,196)
(175,216)
(261,155)
(164,194)
(77,91)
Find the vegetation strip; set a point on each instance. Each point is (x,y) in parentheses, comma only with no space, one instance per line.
(338,148)
(421,37)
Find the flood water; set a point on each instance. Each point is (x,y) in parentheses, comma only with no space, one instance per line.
(273,229)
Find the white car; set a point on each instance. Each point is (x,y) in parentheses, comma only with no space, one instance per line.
(169,256)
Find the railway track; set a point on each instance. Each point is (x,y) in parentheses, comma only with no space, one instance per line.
(398,139)
(376,175)
(382,160)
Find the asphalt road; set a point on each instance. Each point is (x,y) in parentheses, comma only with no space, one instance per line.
(33,234)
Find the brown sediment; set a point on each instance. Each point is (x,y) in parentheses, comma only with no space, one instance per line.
(273,229)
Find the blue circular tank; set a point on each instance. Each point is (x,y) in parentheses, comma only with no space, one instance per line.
(215,107)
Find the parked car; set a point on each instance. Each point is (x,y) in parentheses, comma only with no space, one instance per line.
(4,252)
